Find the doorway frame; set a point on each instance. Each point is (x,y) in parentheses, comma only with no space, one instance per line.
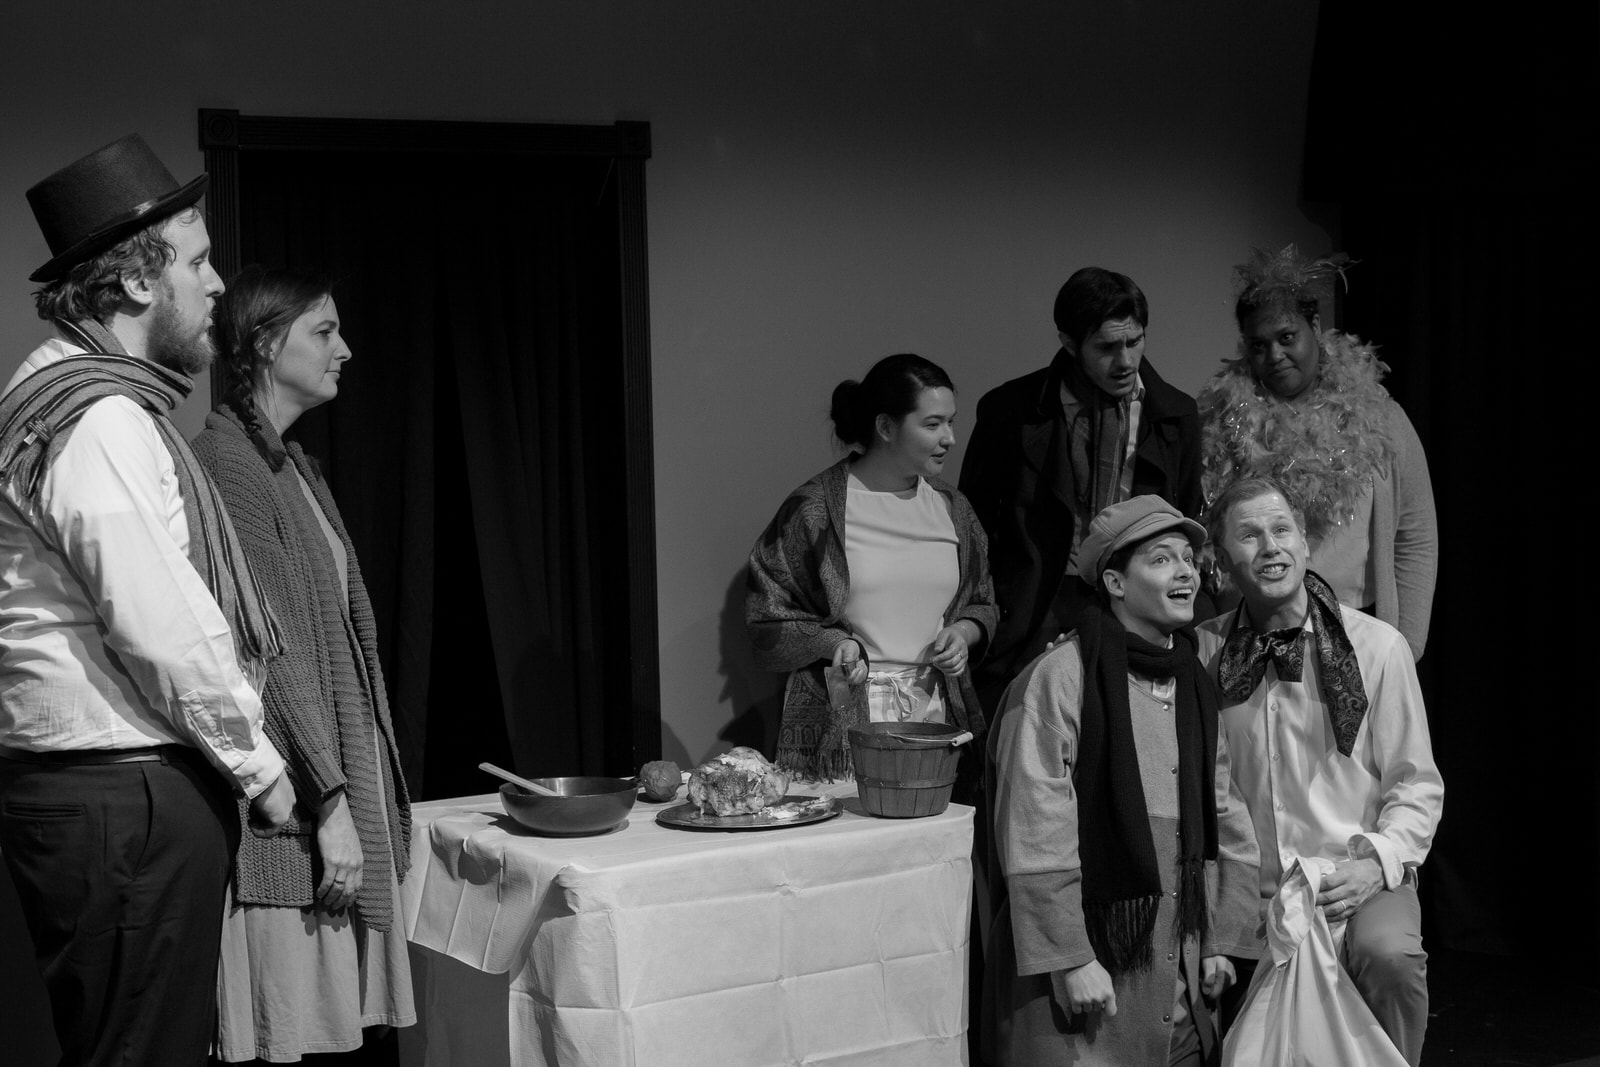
(225,133)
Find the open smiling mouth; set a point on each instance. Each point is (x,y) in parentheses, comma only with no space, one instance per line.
(1273,571)
(1181,596)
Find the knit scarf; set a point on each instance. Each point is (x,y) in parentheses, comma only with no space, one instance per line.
(1097,438)
(37,418)
(1121,880)
(1246,653)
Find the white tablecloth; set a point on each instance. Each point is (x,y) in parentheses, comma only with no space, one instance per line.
(840,943)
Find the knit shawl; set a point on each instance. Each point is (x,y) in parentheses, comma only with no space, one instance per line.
(326,705)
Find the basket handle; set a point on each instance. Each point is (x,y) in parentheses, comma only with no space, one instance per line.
(959,739)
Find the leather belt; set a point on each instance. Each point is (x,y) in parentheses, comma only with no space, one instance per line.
(84,756)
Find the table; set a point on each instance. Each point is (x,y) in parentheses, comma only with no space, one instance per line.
(840,943)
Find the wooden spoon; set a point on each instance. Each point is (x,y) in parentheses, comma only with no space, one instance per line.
(532,787)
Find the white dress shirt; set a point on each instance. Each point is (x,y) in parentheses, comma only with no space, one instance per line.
(109,638)
(1383,800)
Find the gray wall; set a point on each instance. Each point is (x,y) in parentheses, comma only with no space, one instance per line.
(832,182)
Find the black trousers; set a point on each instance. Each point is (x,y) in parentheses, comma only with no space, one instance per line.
(121,870)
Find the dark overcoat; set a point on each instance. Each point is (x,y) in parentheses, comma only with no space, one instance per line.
(1019,481)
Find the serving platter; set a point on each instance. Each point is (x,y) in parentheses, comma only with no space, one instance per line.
(811,809)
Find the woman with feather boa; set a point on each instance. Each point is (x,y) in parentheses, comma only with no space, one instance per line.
(1308,409)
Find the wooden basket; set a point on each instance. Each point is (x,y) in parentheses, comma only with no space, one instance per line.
(904,779)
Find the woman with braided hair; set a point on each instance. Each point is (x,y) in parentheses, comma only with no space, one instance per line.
(312,948)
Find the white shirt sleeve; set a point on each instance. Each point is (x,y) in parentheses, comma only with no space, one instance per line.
(110,503)
(1411,788)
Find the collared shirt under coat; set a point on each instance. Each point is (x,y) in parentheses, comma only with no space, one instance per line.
(1026,498)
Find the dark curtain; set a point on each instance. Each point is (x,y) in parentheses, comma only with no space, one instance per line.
(1457,153)
(474,448)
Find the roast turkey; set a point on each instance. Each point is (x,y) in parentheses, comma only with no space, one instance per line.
(738,782)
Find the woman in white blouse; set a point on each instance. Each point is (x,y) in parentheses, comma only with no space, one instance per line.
(876,567)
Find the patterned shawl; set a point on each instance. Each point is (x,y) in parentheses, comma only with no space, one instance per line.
(1246,653)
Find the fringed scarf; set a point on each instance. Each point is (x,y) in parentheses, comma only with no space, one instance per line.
(1246,653)
(1097,439)
(37,419)
(1121,880)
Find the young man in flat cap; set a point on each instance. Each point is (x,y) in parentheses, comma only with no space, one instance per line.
(1331,749)
(130,626)
(1127,856)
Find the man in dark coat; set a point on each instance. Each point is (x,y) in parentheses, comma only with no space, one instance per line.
(1052,449)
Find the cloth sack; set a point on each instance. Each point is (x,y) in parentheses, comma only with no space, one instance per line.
(1302,1008)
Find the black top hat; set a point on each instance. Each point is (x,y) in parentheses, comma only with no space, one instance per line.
(86,207)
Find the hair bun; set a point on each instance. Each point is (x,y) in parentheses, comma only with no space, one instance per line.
(845,411)
(893,387)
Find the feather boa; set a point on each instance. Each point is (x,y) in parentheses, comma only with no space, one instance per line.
(1326,447)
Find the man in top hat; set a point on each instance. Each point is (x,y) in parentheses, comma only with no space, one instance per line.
(130,626)
(1052,449)
(1330,747)
(1128,857)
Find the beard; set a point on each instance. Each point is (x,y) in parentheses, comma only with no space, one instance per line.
(174,343)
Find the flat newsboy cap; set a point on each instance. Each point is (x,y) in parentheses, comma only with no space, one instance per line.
(1129,523)
(110,194)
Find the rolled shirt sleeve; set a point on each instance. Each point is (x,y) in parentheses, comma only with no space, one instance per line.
(111,506)
(1411,790)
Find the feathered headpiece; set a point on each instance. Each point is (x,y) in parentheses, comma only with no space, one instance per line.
(1286,278)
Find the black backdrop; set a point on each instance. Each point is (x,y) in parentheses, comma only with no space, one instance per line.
(1456,153)
(475,446)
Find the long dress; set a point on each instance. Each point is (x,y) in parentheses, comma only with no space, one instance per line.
(296,979)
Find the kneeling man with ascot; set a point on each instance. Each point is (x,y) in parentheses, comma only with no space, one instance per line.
(1128,858)
(1330,747)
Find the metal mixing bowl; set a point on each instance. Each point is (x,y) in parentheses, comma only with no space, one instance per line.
(587,805)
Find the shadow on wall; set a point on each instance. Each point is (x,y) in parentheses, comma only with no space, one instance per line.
(756,695)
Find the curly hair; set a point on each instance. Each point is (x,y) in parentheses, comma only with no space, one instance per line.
(253,317)
(93,289)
